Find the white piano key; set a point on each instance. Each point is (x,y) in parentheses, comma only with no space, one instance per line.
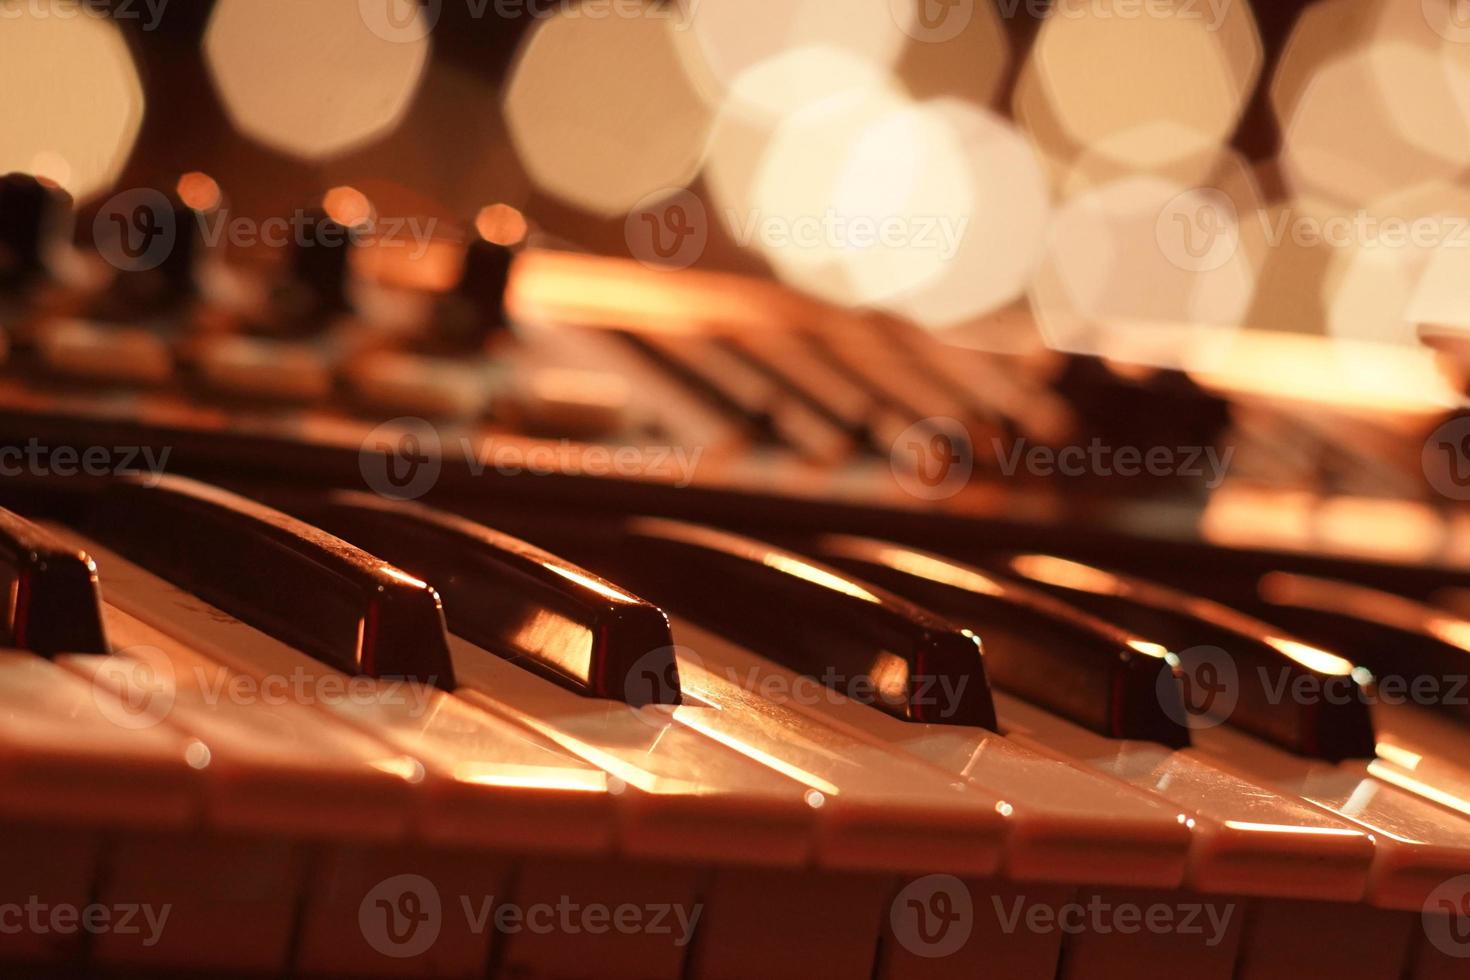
(486,783)
(275,767)
(1065,825)
(67,753)
(1247,839)
(1417,844)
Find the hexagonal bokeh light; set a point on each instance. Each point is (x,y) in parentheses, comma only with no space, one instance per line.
(315,80)
(74,103)
(1159,84)
(721,40)
(602,113)
(1372,96)
(1347,139)
(1144,260)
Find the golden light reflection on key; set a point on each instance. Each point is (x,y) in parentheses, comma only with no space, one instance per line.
(313,80)
(602,113)
(1314,658)
(937,570)
(1274,828)
(702,720)
(75,103)
(817,576)
(532,777)
(1379,770)
(557,640)
(1068,574)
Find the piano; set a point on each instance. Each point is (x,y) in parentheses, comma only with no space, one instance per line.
(507,610)
(671,625)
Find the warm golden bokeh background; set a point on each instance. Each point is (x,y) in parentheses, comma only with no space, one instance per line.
(1135,168)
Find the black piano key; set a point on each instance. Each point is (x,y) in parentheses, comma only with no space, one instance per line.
(335,602)
(34,215)
(316,287)
(1036,646)
(812,618)
(1275,685)
(52,603)
(1417,653)
(510,597)
(767,412)
(468,317)
(156,247)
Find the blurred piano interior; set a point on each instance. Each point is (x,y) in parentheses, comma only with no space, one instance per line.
(799,488)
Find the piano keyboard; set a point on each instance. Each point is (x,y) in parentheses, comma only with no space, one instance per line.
(300,677)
